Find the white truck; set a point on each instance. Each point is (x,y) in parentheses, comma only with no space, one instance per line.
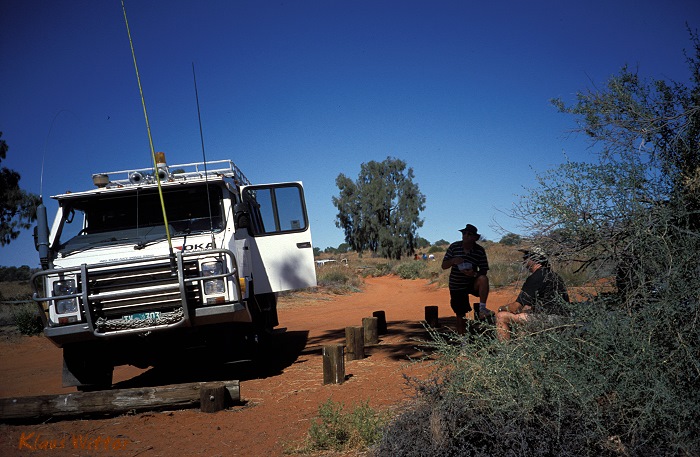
(120,286)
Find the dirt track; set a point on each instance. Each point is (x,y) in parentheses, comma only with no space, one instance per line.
(279,401)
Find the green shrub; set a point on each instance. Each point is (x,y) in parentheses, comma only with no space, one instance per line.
(604,383)
(434,249)
(411,270)
(338,279)
(336,430)
(377,269)
(27,321)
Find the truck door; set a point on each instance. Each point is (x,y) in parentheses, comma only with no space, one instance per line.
(280,244)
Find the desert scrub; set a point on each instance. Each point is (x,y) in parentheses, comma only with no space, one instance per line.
(27,321)
(413,269)
(570,390)
(376,269)
(334,429)
(338,279)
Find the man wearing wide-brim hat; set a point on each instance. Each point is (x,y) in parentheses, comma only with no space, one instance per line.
(469,265)
(543,294)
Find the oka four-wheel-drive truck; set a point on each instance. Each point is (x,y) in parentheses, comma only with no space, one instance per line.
(121,286)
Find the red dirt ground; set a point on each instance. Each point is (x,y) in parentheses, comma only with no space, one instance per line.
(279,403)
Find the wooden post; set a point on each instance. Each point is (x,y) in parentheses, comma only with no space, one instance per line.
(369,326)
(431,316)
(212,397)
(333,364)
(355,342)
(381,322)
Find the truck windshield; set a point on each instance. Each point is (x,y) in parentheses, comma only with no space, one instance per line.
(137,215)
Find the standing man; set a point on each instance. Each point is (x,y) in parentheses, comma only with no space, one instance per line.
(542,294)
(469,266)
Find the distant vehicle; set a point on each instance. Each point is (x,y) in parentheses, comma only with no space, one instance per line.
(320,263)
(119,286)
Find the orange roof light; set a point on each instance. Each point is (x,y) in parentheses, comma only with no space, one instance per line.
(160,159)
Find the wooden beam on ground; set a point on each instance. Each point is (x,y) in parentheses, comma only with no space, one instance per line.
(117,401)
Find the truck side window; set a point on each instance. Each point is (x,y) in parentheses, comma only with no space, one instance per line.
(276,209)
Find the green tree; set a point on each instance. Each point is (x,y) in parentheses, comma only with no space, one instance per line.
(422,243)
(17,207)
(511,239)
(644,189)
(380,211)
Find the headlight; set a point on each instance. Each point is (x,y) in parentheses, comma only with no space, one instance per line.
(212,268)
(62,288)
(66,306)
(213,286)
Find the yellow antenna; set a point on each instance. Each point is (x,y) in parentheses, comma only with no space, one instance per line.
(150,138)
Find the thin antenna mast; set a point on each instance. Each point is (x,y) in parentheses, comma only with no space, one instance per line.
(150,138)
(204,159)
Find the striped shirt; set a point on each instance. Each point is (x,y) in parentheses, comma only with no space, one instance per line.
(476,256)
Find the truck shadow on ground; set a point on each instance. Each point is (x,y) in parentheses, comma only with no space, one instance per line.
(264,360)
(404,341)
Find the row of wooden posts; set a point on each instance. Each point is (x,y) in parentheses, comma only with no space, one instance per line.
(356,338)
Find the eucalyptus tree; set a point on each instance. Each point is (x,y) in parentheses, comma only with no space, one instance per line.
(17,207)
(380,211)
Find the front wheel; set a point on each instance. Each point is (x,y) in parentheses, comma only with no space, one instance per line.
(263,308)
(87,367)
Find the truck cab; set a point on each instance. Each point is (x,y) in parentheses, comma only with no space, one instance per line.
(155,261)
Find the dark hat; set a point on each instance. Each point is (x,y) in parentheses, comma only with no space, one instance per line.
(534,253)
(471,230)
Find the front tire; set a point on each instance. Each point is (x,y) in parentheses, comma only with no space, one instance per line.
(87,367)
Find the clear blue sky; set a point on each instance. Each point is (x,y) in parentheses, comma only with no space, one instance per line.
(305,90)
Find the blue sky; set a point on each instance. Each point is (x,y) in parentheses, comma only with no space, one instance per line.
(305,90)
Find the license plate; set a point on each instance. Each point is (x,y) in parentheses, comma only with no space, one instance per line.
(142,316)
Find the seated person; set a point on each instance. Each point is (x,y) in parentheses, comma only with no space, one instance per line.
(542,293)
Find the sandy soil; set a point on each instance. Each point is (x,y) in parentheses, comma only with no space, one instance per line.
(279,400)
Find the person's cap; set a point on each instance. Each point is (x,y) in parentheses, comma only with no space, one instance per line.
(470,229)
(535,253)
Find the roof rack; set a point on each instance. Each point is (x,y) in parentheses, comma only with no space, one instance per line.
(181,172)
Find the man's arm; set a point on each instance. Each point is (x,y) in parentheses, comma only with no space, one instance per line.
(449,263)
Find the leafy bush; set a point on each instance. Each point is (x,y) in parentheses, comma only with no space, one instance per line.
(27,321)
(411,270)
(377,269)
(338,279)
(511,239)
(573,390)
(336,430)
